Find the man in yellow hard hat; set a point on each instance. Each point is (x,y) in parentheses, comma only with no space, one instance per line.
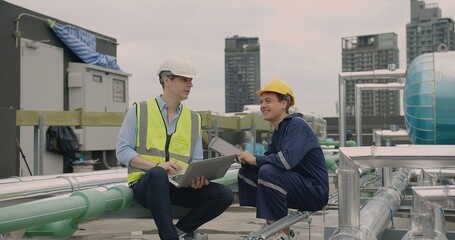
(162,135)
(292,173)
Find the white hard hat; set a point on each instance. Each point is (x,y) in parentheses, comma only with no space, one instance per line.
(178,65)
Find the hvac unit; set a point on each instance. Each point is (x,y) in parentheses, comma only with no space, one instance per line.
(97,89)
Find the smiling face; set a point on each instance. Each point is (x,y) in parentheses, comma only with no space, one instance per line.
(178,87)
(273,109)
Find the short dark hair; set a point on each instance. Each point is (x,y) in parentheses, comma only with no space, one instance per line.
(163,74)
(284,97)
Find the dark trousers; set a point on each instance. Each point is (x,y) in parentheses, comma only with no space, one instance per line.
(273,190)
(153,191)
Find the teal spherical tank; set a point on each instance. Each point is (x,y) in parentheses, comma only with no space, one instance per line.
(429,99)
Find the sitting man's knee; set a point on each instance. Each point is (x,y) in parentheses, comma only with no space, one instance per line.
(268,170)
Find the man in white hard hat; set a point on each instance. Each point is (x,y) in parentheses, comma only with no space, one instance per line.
(292,173)
(162,135)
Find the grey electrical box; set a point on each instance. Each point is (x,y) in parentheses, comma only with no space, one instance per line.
(96,89)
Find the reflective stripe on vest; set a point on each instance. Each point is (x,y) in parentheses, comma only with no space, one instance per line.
(152,136)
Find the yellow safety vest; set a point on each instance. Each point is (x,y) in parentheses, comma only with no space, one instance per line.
(154,144)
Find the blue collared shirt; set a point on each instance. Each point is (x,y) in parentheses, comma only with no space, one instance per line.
(126,142)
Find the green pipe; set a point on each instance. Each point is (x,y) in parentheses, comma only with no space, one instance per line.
(229,178)
(350,143)
(330,163)
(62,216)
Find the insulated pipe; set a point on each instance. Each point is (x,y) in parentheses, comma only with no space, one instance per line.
(401,156)
(443,196)
(426,179)
(388,135)
(50,211)
(345,76)
(342,109)
(349,210)
(441,173)
(358,102)
(426,219)
(61,184)
(15,179)
(57,184)
(377,213)
(352,158)
(78,207)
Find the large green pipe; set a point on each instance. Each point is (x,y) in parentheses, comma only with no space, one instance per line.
(62,216)
(229,179)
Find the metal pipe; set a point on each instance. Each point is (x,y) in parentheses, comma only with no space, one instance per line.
(402,156)
(386,173)
(388,134)
(349,211)
(36,170)
(343,77)
(358,114)
(78,207)
(342,109)
(61,184)
(40,145)
(358,102)
(427,218)
(352,158)
(427,179)
(377,213)
(106,165)
(15,179)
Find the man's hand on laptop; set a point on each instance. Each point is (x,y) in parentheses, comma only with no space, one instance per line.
(246,158)
(199,182)
(171,167)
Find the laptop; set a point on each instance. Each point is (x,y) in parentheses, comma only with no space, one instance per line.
(223,147)
(211,168)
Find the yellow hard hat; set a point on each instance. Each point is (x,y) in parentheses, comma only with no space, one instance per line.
(278,86)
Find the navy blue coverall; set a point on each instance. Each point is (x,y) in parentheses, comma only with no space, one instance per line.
(291,174)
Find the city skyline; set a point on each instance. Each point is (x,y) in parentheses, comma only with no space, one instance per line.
(300,40)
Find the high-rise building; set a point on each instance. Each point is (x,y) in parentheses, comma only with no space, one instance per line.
(242,73)
(368,53)
(428,31)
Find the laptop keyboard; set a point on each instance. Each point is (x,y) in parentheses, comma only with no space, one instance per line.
(177,178)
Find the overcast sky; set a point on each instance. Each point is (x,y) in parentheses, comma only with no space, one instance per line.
(300,39)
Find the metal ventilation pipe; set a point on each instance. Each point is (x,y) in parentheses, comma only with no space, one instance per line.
(58,185)
(403,156)
(377,212)
(15,179)
(427,220)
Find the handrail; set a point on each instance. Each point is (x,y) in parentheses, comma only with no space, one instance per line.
(81,118)
(69,118)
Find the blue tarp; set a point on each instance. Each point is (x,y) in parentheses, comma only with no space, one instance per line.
(83,44)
